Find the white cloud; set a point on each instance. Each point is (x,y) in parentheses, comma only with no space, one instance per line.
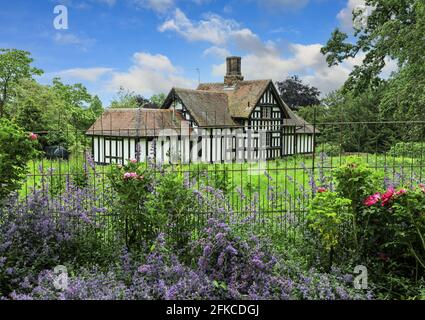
(216,52)
(88,74)
(304,60)
(160,6)
(261,59)
(148,75)
(213,28)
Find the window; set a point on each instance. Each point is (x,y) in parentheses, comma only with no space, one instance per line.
(266,113)
(269,139)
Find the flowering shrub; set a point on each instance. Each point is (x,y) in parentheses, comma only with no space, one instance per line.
(133,183)
(399,216)
(161,275)
(41,232)
(16,149)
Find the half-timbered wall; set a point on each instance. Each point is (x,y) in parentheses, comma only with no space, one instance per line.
(268,116)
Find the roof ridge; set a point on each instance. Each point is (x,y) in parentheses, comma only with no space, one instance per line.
(201,91)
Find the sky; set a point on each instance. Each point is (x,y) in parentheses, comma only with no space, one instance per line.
(150,46)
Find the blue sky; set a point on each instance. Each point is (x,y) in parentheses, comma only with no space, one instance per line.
(148,46)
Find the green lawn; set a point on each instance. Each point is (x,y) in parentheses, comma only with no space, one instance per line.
(279,185)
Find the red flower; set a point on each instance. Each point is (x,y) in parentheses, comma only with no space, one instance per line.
(371,200)
(321,189)
(33,136)
(401,192)
(387,196)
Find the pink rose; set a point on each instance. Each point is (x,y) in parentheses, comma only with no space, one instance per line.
(127,175)
(387,196)
(133,161)
(33,136)
(372,200)
(133,175)
(321,189)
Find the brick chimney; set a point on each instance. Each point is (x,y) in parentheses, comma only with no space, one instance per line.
(233,73)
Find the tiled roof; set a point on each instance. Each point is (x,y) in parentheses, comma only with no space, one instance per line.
(135,122)
(208,108)
(243,98)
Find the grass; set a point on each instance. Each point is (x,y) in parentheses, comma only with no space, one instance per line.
(277,192)
(279,185)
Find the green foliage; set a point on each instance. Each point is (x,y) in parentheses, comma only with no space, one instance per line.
(406,226)
(15,65)
(158,99)
(219,178)
(394,242)
(296,94)
(407,149)
(128,99)
(133,183)
(16,149)
(329,149)
(174,207)
(355,180)
(393,29)
(150,203)
(327,214)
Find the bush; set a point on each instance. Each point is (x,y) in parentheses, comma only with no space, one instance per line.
(16,149)
(133,183)
(397,230)
(150,202)
(407,149)
(328,217)
(174,207)
(248,271)
(355,181)
(330,149)
(41,232)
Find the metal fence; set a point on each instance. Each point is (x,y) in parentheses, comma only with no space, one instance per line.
(273,195)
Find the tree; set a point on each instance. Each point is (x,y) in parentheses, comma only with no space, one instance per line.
(15,65)
(32,105)
(16,148)
(128,99)
(296,94)
(393,30)
(158,99)
(342,119)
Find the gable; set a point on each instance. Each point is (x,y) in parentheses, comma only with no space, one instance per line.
(271,98)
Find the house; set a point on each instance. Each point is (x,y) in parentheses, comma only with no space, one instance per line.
(217,122)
